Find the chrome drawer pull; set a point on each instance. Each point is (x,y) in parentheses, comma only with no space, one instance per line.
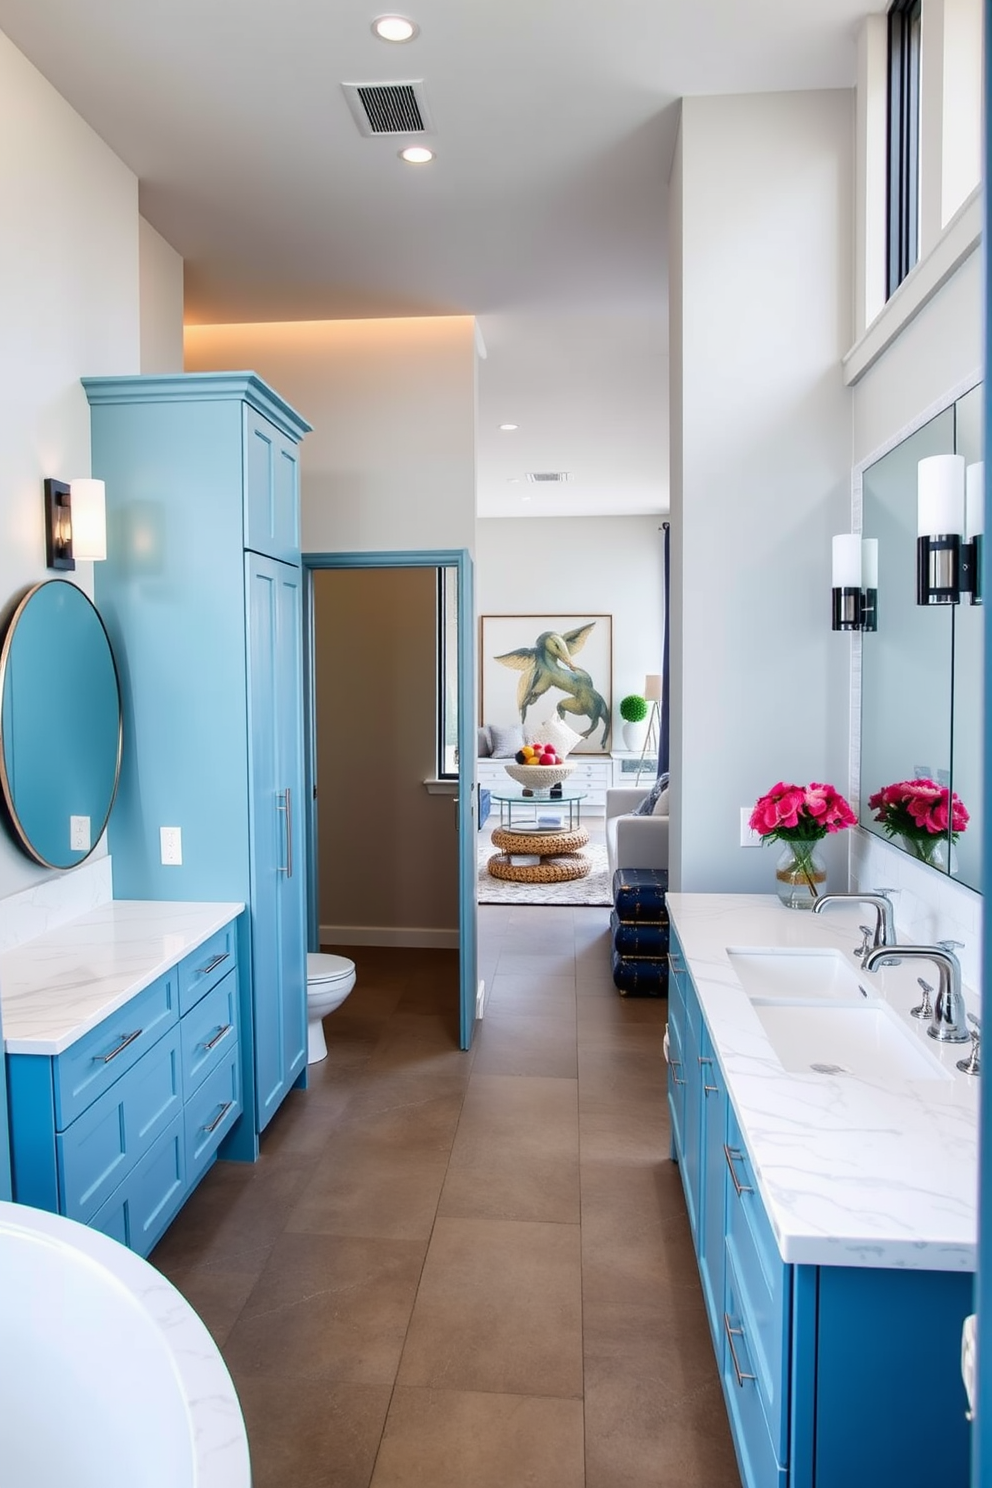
(732,1155)
(218,1036)
(711,1090)
(675,1064)
(287,806)
(218,1118)
(733,1333)
(126,1038)
(215,961)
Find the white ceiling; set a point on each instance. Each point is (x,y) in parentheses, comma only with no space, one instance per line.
(544,212)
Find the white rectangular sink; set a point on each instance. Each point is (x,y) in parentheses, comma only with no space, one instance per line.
(866,1040)
(798,974)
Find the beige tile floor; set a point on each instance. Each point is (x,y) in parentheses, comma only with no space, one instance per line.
(454,1270)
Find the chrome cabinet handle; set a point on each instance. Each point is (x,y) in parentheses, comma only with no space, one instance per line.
(126,1038)
(707,1089)
(732,1155)
(287,806)
(214,961)
(218,1036)
(733,1333)
(673,1065)
(219,1117)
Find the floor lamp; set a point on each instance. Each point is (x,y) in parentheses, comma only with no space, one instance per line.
(652,695)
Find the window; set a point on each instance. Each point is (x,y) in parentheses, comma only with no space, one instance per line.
(447,673)
(903,141)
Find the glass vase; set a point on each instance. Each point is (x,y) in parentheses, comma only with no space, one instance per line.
(800,874)
(930,850)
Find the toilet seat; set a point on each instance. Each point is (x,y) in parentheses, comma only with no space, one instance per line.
(323,968)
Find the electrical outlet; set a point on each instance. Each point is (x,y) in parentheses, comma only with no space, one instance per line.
(749,838)
(172,846)
(79,834)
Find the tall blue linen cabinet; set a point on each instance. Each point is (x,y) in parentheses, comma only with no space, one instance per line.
(201,595)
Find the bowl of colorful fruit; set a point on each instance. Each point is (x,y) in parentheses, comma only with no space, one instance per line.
(537,767)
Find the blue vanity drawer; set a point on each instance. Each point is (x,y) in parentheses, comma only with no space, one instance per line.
(102,1146)
(211,1113)
(139,1209)
(762,1283)
(104,1054)
(207,964)
(760,1444)
(209,1032)
(677,970)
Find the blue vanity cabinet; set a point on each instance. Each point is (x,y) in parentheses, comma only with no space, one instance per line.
(201,596)
(116,1130)
(833,1376)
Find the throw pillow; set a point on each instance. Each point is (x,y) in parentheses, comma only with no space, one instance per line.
(648,807)
(556,732)
(484,743)
(661,805)
(507,739)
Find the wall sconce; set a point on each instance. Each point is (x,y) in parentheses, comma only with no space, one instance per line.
(75,522)
(939,524)
(854,579)
(974,525)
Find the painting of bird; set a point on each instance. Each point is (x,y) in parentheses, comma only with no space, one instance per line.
(549,665)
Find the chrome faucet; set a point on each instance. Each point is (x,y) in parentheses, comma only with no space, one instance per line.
(948,1021)
(885,920)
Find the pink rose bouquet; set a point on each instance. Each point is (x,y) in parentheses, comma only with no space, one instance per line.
(801,813)
(920,811)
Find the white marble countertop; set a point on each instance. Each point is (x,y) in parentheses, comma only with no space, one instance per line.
(853,1171)
(55,988)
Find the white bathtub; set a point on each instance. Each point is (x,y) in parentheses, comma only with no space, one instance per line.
(108,1379)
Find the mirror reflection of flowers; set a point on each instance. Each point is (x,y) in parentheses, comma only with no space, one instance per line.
(922,813)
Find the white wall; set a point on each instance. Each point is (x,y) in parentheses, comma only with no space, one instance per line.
(761,288)
(575,566)
(391,460)
(161,299)
(68,308)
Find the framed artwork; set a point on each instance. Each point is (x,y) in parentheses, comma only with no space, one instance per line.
(536,667)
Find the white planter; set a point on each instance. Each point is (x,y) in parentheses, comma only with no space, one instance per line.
(634,735)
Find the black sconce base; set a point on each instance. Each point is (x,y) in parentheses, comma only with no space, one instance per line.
(938,569)
(845,609)
(58,526)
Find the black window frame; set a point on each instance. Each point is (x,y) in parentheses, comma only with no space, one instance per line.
(903,142)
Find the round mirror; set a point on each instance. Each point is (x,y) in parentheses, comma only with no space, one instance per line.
(60,724)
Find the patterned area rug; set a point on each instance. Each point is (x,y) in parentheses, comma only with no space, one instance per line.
(593,889)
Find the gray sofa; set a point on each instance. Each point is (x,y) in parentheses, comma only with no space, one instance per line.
(633,841)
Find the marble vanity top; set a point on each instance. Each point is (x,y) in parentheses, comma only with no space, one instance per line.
(853,1170)
(55,988)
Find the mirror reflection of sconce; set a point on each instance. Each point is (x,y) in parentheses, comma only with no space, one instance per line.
(855,582)
(950,509)
(75,522)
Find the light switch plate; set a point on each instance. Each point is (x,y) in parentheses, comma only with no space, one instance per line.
(749,838)
(172,846)
(79,834)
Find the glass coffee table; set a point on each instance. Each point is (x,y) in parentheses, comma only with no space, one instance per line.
(532,850)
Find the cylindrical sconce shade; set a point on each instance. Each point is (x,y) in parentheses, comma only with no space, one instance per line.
(869,562)
(940,495)
(847,561)
(652,687)
(89,519)
(974,500)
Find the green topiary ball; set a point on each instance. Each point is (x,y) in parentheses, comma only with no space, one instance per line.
(633,709)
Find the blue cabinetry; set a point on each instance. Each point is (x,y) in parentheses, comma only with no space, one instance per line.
(201,596)
(822,1367)
(116,1130)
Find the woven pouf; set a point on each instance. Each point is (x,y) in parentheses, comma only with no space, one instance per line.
(545,844)
(552,870)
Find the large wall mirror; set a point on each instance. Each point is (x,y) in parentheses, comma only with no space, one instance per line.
(60,725)
(921,695)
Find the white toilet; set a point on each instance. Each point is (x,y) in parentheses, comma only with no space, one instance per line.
(329,980)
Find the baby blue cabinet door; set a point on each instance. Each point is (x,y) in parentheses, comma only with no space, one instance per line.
(272,506)
(278,874)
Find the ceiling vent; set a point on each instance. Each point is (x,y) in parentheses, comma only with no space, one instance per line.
(547,477)
(389,108)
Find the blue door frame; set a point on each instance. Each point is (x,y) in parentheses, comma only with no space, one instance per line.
(460,559)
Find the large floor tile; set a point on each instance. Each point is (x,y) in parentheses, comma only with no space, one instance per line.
(499,1309)
(238,1210)
(366,1188)
(329,1308)
(530,992)
(463,1439)
(518,1044)
(311,1434)
(641,1435)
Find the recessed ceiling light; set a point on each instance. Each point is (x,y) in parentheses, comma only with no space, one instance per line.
(395,28)
(416,154)
(507,427)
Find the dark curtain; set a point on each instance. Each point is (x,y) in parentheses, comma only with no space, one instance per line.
(664,726)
